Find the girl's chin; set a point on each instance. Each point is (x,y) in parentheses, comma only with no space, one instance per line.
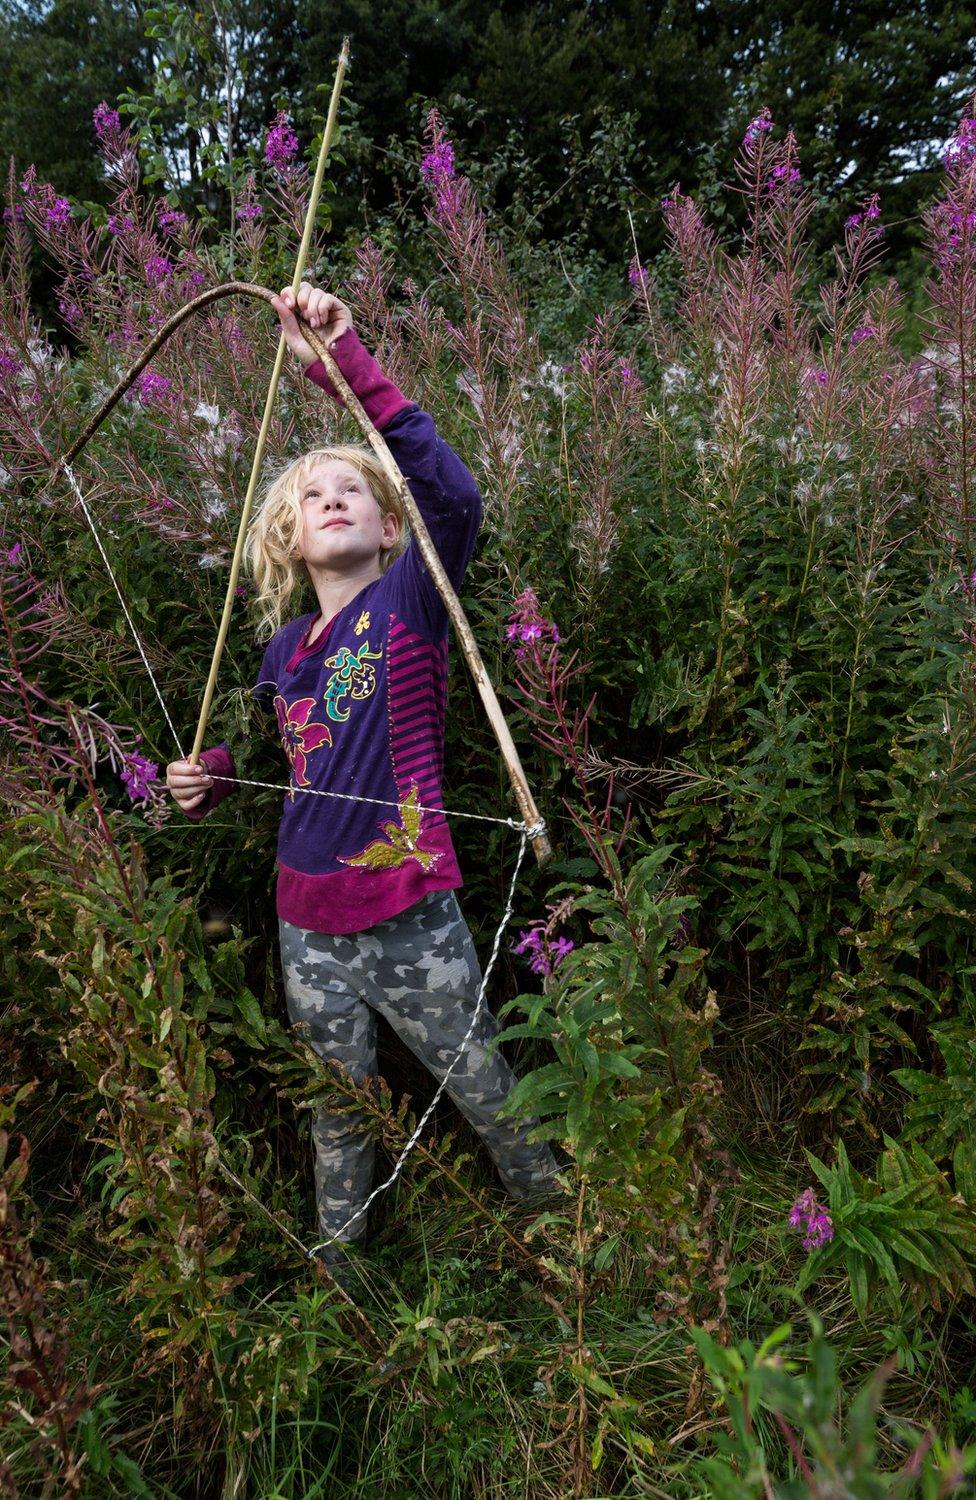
(346,559)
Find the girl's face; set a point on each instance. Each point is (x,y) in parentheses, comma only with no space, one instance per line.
(343,529)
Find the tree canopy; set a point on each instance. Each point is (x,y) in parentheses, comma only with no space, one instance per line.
(608,104)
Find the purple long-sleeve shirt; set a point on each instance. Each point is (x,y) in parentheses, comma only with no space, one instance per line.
(361,711)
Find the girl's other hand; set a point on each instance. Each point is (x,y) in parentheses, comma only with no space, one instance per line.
(320,309)
(188,783)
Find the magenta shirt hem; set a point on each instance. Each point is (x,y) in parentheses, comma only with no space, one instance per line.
(338,904)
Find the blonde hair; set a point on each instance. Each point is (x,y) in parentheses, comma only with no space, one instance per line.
(276,529)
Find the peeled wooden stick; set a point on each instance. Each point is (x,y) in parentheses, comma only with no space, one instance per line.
(526,803)
(269,405)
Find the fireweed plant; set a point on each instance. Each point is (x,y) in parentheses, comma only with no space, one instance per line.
(727,578)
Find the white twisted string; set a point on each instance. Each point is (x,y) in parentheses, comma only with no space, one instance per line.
(506,916)
(274,786)
(108,567)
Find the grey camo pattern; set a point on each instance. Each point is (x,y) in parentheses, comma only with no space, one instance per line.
(420,971)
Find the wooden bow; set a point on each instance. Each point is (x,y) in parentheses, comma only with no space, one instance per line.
(523,796)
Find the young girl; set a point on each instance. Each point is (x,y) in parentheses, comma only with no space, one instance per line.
(368,919)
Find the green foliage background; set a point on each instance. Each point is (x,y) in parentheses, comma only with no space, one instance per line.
(751,520)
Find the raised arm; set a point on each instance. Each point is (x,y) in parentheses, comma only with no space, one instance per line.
(445,490)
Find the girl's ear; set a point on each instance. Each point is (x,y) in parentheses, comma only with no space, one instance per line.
(391,530)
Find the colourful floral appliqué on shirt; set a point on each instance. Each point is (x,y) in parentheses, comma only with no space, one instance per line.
(353,675)
(362,623)
(298,736)
(400,844)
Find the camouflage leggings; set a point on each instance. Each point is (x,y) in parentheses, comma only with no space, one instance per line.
(420,971)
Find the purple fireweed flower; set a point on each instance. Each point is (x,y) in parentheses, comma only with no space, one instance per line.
(810,1216)
(804,1206)
(138,776)
(70,311)
(868,214)
(820,1230)
(12,556)
(157,269)
(528,627)
(529,632)
(248,211)
(280,143)
(782,175)
(758,127)
(107,122)
(629,378)
(962,148)
(859,334)
(152,389)
(438,164)
(172,220)
(58,213)
(637,275)
(9,363)
(545,955)
(120,223)
(822,377)
(438,170)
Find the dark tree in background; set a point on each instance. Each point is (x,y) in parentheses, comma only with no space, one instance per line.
(873,90)
(600,106)
(644,82)
(56,62)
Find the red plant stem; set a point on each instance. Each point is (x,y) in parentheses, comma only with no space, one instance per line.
(794,1447)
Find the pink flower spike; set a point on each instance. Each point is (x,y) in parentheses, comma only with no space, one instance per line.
(138,775)
(758,127)
(152,389)
(58,213)
(281,143)
(158,268)
(107,122)
(810,1216)
(438,164)
(172,220)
